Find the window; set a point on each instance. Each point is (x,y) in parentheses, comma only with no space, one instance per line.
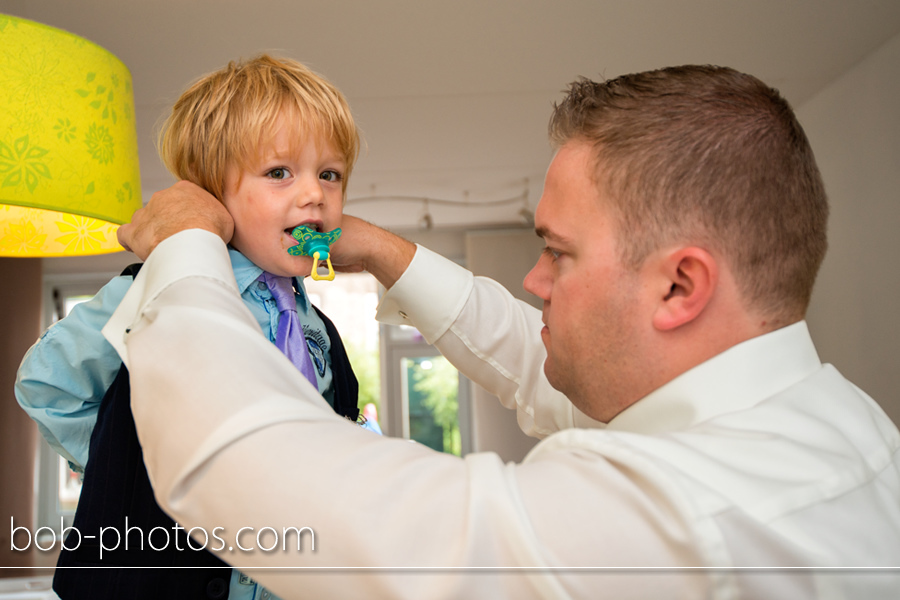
(414,393)
(426,398)
(350,301)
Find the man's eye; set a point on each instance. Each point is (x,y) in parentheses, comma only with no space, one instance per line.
(329,175)
(553,254)
(278,173)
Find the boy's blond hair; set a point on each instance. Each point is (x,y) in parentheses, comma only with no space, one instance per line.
(224,118)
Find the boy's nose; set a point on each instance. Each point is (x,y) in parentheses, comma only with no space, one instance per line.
(310,193)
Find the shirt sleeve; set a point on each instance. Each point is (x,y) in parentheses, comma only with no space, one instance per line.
(489,335)
(63,377)
(213,398)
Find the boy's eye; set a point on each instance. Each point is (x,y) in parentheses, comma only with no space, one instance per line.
(278,173)
(329,175)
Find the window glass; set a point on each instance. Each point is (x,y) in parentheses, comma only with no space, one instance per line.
(432,393)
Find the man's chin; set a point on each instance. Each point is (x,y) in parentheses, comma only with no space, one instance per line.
(552,376)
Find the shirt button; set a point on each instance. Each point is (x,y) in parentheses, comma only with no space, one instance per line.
(216,589)
(260,285)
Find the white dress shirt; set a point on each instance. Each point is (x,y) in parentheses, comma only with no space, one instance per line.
(759,474)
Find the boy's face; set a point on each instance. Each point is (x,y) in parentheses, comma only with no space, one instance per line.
(289,185)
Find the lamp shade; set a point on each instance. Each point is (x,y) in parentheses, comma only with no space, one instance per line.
(69,172)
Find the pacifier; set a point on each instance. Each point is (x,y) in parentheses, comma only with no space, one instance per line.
(315,244)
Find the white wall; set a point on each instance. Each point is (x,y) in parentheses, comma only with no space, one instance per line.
(854,128)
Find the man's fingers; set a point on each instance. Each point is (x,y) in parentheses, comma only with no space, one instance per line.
(182,206)
(122,236)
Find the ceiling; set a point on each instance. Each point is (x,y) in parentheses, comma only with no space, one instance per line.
(453,97)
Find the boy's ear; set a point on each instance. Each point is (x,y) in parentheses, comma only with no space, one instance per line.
(687,280)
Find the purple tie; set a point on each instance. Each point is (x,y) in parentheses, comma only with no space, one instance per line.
(289,338)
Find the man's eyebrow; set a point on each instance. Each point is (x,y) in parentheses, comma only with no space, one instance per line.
(546,234)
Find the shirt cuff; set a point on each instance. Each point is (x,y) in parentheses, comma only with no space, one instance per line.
(190,253)
(429,295)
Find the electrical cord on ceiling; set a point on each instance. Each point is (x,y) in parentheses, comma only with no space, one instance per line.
(426,221)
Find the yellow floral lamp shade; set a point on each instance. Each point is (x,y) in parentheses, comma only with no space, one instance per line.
(69,170)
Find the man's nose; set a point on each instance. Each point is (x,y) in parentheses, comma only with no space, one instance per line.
(537,281)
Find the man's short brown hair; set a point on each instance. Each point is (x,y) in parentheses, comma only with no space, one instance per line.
(707,156)
(224,117)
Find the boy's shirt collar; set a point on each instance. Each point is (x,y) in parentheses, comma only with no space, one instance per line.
(246,274)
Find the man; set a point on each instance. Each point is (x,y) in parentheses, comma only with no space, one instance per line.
(691,431)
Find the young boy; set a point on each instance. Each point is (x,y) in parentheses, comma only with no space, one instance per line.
(276,144)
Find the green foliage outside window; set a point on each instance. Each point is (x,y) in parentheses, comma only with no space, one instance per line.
(434,383)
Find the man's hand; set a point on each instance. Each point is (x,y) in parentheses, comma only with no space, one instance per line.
(366,247)
(180,207)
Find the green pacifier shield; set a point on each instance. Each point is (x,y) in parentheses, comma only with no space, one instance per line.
(311,241)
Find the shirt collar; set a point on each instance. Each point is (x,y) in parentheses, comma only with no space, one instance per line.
(737,379)
(246,274)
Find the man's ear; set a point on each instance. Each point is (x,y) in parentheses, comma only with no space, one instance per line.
(687,281)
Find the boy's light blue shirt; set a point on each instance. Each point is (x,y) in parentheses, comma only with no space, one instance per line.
(65,375)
